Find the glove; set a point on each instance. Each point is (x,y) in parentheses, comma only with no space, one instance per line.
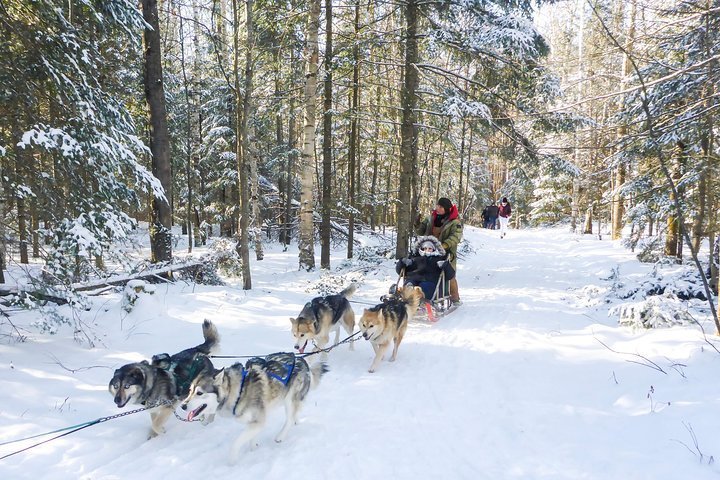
(440,263)
(406,261)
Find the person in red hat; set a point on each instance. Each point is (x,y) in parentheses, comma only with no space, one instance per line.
(443,223)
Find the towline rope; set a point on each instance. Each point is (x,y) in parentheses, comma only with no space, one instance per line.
(72,429)
(351,338)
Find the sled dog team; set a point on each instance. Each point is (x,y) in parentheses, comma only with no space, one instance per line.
(247,392)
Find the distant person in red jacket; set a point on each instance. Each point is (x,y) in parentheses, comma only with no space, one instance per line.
(504,216)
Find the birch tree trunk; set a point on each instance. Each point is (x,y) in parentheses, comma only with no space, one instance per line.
(161,215)
(306,254)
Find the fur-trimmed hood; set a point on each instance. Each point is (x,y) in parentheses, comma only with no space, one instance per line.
(428,238)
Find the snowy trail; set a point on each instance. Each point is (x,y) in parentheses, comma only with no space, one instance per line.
(514,384)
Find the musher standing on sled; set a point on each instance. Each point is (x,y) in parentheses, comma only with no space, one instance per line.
(443,224)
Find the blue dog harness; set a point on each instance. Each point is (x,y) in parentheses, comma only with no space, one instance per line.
(290,367)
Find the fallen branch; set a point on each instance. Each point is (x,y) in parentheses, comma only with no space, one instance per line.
(646,361)
(151,275)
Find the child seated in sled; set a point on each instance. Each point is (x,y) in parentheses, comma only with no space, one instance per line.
(425,265)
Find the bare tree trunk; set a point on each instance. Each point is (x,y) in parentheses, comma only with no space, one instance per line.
(698,220)
(575,204)
(291,156)
(242,110)
(588,228)
(466,193)
(460,205)
(672,237)
(3,207)
(21,160)
(306,245)
(188,141)
(618,199)
(408,130)
(327,142)
(706,143)
(250,153)
(161,216)
(353,161)
(374,209)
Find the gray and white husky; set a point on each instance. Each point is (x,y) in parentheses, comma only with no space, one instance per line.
(247,392)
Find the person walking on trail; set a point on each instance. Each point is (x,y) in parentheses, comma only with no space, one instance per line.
(443,223)
(504,216)
(492,215)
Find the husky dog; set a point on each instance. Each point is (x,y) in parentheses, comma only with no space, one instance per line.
(323,315)
(163,382)
(388,321)
(248,392)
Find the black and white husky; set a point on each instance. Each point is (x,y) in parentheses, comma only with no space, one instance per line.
(247,392)
(322,316)
(163,382)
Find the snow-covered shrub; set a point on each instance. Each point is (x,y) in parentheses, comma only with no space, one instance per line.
(373,254)
(651,250)
(225,258)
(204,274)
(656,311)
(330,284)
(133,290)
(682,281)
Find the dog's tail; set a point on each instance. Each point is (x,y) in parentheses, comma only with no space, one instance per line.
(317,370)
(212,338)
(347,293)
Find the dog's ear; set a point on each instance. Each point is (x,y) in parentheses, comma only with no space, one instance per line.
(292,320)
(138,373)
(219,374)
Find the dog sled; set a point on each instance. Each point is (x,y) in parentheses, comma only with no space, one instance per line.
(432,309)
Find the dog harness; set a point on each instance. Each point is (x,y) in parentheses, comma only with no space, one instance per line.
(315,305)
(185,384)
(290,367)
(244,375)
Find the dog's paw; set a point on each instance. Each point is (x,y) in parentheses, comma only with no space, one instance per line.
(371,370)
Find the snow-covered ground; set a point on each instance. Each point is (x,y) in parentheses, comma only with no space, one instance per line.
(529,379)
